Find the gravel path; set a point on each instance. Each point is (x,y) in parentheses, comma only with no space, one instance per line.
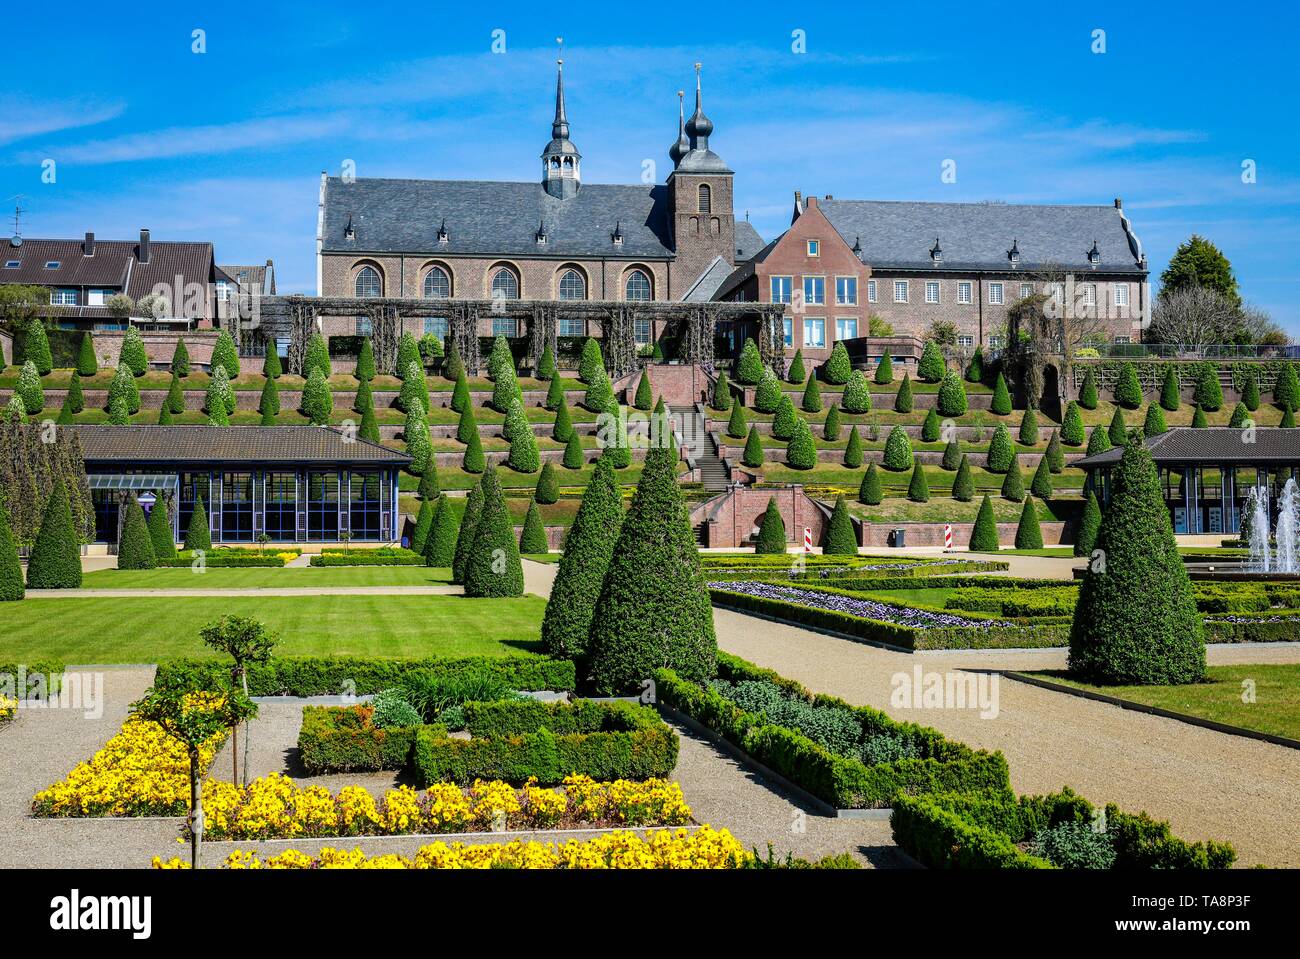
(1209,785)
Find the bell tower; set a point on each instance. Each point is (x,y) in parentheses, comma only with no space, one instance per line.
(561,161)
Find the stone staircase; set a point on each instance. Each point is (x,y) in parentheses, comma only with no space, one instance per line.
(689,425)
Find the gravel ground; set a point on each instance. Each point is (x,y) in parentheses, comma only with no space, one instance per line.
(1209,785)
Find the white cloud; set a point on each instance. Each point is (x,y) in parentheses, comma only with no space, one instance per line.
(23,119)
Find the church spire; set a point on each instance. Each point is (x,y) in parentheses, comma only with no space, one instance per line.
(698,127)
(561,159)
(682,146)
(560,125)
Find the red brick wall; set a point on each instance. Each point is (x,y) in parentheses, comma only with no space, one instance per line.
(734,515)
(683,385)
(876,535)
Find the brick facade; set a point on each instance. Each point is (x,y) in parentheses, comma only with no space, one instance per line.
(731,519)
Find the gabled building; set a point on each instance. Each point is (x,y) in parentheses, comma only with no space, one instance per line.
(83,276)
(554,239)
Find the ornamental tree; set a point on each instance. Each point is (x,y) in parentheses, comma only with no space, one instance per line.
(1116,637)
(440,544)
(831,426)
(1098,441)
(467,428)
(753,453)
(952,455)
(1029,428)
(786,420)
(591,363)
(767,397)
(599,392)
(796,373)
(1170,394)
(87,361)
(119,415)
(869,492)
(1250,391)
(532,539)
(1155,419)
(918,490)
(1041,485)
(269,404)
(931,368)
(1208,394)
(638,625)
(224,354)
(492,566)
(1088,391)
(812,396)
(465,535)
(952,396)
(931,428)
(801,452)
(1286,390)
(736,422)
(473,461)
(984,535)
(271,367)
(853,454)
(963,487)
(180,360)
(1118,429)
(133,355)
(574,456)
(429,487)
(368,430)
(415,388)
(771,531)
(975,370)
(1072,431)
(857,394)
(408,353)
(885,371)
(1287,423)
(75,397)
(365,368)
(1128,391)
(1013,484)
(523,457)
(423,524)
(364,399)
(505,388)
(36,347)
(220,393)
(175,401)
(419,444)
(547,490)
(1199,263)
(1029,534)
(546,365)
(840,540)
(1001,402)
(563,427)
(898,451)
(721,392)
(160,530)
(588,547)
(554,393)
(998,459)
(1089,523)
(644,399)
(1055,456)
(29,388)
(247,642)
(317,358)
(317,403)
(11,569)
(837,367)
(55,560)
(903,398)
(453,367)
(197,534)
(612,434)
(749,366)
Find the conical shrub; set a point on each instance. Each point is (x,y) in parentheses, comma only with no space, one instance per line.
(469,518)
(55,560)
(1029,534)
(134,546)
(841,540)
(984,535)
(869,492)
(532,539)
(771,531)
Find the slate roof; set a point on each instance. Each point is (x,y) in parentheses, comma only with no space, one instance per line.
(1212,444)
(978,236)
(704,288)
(252,278)
(230,444)
(748,240)
(495,218)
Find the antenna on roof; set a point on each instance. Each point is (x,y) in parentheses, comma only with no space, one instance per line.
(18,214)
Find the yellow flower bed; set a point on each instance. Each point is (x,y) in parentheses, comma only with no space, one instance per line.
(274,807)
(139,772)
(706,848)
(8,707)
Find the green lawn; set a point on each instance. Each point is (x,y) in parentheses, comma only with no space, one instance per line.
(262,578)
(146,629)
(543,557)
(1276,709)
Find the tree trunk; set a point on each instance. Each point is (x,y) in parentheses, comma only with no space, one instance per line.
(196,811)
(234,754)
(243,675)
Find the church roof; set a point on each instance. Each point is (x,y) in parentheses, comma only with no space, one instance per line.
(495,218)
(979,236)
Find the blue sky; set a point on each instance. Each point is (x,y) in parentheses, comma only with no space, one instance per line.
(228,145)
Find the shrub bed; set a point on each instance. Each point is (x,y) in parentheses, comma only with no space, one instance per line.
(333,675)
(216,559)
(917,759)
(517,740)
(344,739)
(997,830)
(49,672)
(368,557)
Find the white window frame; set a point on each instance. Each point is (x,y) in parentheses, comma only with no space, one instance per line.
(996,295)
(814,247)
(849,297)
(1026,290)
(1090,294)
(814,322)
(871,291)
(781,296)
(932,291)
(965,340)
(566,326)
(903,286)
(363,326)
(507,326)
(63,296)
(787,331)
(644,278)
(841,333)
(817,282)
(1123,340)
(965,292)
(642,338)
(1120,294)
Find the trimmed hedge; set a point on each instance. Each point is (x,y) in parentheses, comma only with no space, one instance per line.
(342,739)
(952,830)
(515,740)
(327,675)
(845,783)
(368,558)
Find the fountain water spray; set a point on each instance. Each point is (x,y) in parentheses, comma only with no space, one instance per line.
(1257,506)
(1288,528)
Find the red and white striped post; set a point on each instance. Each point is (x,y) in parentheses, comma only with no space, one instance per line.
(807,539)
(947,537)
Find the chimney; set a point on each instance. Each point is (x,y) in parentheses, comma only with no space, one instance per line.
(144,245)
(88,248)
(810,203)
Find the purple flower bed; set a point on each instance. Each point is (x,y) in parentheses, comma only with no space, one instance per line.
(853,606)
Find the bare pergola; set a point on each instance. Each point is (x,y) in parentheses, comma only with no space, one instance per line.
(694,324)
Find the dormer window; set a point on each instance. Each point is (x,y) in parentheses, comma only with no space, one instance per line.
(348,232)
(1013,254)
(540,236)
(936,253)
(442,232)
(1094,255)
(857,247)
(617,236)
(814,247)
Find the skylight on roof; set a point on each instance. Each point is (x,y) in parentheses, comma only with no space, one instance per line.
(52,264)
(12,264)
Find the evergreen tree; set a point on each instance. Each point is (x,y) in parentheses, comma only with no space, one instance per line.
(1199,420)
(1170,395)
(1128,391)
(1072,431)
(1029,428)
(1001,403)
(812,396)
(753,454)
(599,393)
(523,457)
(785,420)
(1089,524)
(532,539)
(1000,450)
(857,394)
(853,451)
(1250,391)
(931,428)
(197,534)
(1088,391)
(555,392)
(160,530)
(29,388)
(318,357)
(1198,262)
(574,457)
(460,398)
(1029,534)
(952,396)
(269,405)
(548,485)
(1155,419)
(317,402)
(465,534)
(364,398)
(898,451)
(592,363)
(423,524)
(546,365)
(1055,455)
(119,415)
(952,455)
(500,358)
(984,535)
(831,428)
(180,361)
(220,394)
(408,354)
(224,354)
(87,362)
(15,412)
(369,428)
(415,388)
(931,367)
(1118,430)
(614,430)
(801,453)
(135,548)
(771,531)
(419,443)
(11,569)
(440,544)
(1208,394)
(837,367)
(768,395)
(1288,419)
(36,348)
(365,368)
(903,398)
(869,492)
(271,367)
(429,488)
(1117,637)
(796,374)
(918,490)
(1098,441)
(975,371)
(76,399)
(885,371)
(840,540)
(1013,484)
(65,418)
(644,392)
(963,487)
(175,401)
(736,423)
(55,560)
(749,366)
(505,388)
(588,547)
(473,461)
(453,367)
(721,392)
(1041,485)
(563,428)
